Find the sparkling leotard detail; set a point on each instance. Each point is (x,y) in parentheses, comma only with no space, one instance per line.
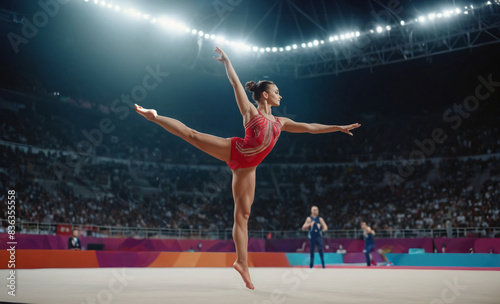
(261,135)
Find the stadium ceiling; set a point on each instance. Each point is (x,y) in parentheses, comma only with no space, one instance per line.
(314,38)
(401,40)
(390,38)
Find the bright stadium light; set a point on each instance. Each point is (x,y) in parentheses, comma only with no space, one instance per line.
(133,13)
(178,26)
(172,24)
(241,46)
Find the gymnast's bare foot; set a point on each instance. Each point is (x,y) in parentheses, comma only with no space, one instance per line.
(245,274)
(149,114)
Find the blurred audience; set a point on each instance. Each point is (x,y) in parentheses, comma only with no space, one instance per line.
(133,177)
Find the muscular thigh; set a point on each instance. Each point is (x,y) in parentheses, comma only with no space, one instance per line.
(244,188)
(215,146)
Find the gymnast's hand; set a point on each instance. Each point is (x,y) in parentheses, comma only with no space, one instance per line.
(222,55)
(149,114)
(348,128)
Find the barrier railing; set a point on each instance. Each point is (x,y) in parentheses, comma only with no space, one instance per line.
(224,234)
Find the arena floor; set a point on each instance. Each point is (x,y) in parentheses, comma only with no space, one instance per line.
(273,285)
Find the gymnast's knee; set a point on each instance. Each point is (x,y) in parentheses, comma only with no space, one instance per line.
(241,215)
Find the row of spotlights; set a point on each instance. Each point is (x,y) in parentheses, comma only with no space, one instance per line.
(172,24)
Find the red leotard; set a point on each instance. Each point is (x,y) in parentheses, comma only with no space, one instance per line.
(260,136)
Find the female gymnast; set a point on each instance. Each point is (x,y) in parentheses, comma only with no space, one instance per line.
(242,155)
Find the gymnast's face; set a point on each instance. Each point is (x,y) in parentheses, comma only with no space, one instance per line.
(273,95)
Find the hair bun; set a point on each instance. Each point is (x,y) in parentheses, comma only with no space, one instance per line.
(251,86)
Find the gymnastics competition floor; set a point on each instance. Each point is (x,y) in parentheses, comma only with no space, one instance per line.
(272,285)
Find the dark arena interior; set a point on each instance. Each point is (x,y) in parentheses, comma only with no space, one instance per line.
(250,151)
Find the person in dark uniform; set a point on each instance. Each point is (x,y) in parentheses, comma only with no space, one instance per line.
(315,225)
(368,234)
(74,241)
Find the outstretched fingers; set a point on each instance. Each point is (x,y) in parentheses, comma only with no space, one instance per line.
(222,56)
(347,129)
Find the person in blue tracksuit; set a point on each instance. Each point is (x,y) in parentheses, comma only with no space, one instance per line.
(315,225)
(368,234)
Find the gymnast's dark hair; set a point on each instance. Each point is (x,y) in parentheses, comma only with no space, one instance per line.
(258,88)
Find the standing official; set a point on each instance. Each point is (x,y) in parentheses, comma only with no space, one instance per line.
(74,241)
(315,225)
